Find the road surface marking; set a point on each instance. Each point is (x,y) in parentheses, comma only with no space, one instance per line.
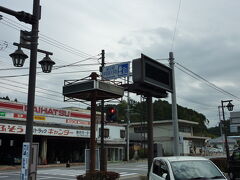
(3,177)
(122,174)
(74,173)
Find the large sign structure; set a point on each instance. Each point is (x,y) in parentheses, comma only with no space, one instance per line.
(91,90)
(43,131)
(17,111)
(150,78)
(149,72)
(84,89)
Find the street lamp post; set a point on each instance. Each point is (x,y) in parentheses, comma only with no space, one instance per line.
(18,58)
(230,108)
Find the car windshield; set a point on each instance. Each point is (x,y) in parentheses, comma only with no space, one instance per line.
(197,169)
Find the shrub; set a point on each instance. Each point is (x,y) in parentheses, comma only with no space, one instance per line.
(99,175)
(142,153)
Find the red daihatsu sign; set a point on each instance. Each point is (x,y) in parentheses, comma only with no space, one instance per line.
(43,110)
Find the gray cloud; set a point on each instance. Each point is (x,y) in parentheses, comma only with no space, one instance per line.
(207,42)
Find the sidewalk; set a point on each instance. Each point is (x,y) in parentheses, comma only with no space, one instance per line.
(18,167)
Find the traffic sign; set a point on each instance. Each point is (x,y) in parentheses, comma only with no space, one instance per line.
(25,160)
(116,71)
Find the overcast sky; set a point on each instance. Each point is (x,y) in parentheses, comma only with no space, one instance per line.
(206,42)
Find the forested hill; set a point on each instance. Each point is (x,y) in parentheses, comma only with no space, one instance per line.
(162,111)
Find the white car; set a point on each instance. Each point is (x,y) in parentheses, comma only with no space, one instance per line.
(184,168)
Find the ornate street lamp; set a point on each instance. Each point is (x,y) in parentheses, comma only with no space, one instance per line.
(18,57)
(46,64)
(230,106)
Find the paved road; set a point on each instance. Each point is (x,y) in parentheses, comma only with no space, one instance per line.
(126,170)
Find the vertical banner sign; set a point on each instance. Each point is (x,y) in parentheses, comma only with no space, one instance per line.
(25,160)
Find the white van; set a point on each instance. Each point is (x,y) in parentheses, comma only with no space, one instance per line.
(184,168)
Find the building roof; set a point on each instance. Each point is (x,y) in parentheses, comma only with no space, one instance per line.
(166,122)
(221,140)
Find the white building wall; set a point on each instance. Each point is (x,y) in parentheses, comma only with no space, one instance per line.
(161,131)
(114,131)
(163,135)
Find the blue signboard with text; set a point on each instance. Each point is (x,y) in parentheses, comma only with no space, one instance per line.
(116,71)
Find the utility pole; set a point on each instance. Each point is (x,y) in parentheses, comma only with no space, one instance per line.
(103,153)
(174,108)
(225,135)
(150,132)
(221,127)
(128,119)
(93,128)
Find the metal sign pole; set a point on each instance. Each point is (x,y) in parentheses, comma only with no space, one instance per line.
(128,119)
(150,132)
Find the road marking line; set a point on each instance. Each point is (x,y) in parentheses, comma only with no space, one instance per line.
(45,177)
(4,177)
(122,174)
(61,178)
(62,172)
(134,169)
(7,173)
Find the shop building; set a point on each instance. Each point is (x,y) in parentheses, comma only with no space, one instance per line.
(62,134)
(163,136)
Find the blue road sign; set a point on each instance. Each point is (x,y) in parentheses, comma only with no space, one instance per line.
(25,160)
(116,71)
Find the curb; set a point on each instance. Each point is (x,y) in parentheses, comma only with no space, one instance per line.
(18,167)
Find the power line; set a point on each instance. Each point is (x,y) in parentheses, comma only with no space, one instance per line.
(41,73)
(22,68)
(198,77)
(49,40)
(54,95)
(66,65)
(25,84)
(175,28)
(44,97)
(186,72)
(13,23)
(71,72)
(45,38)
(73,63)
(198,103)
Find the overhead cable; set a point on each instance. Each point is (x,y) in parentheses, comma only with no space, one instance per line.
(175,28)
(198,77)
